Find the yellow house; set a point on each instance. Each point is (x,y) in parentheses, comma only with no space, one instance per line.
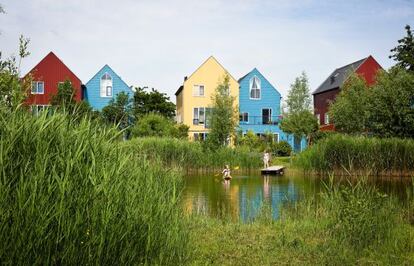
(193,98)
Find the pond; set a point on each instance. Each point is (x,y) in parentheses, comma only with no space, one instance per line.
(242,198)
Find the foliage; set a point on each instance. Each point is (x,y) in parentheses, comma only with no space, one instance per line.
(355,155)
(298,98)
(193,155)
(152,102)
(391,105)
(223,115)
(13,91)
(70,195)
(156,125)
(299,120)
(350,109)
(118,111)
(65,97)
(404,51)
(250,140)
(281,148)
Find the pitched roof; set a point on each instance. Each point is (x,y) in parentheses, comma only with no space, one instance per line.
(106,66)
(338,76)
(260,73)
(208,59)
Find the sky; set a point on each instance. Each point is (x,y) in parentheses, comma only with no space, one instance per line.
(156,43)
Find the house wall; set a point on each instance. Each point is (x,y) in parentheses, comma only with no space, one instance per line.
(210,74)
(368,70)
(321,103)
(93,88)
(51,70)
(270,98)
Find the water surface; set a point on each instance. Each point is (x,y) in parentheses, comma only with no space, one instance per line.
(243,196)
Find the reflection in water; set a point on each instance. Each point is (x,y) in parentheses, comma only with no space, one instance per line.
(242,197)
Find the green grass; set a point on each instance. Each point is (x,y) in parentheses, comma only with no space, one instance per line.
(359,156)
(69,194)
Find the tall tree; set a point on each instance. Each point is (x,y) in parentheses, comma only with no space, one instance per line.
(223,115)
(152,102)
(65,97)
(118,111)
(350,109)
(404,51)
(391,104)
(13,90)
(299,119)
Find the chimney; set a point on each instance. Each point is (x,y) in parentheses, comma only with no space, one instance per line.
(185,78)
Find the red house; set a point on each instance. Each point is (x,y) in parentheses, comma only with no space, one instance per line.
(46,77)
(327,91)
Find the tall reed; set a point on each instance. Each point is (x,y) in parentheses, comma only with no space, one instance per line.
(359,155)
(70,195)
(192,155)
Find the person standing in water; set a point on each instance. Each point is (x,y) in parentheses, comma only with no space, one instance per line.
(226,173)
(266,159)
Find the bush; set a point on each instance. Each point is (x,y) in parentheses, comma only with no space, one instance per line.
(156,125)
(282,148)
(70,195)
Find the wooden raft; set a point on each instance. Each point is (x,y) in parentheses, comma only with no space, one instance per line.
(273,170)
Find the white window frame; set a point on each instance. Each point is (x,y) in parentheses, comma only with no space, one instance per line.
(278,137)
(326,118)
(105,84)
(197,115)
(318,117)
(242,114)
(37,87)
(196,90)
(39,108)
(259,88)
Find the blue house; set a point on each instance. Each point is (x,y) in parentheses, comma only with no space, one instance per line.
(259,104)
(103,87)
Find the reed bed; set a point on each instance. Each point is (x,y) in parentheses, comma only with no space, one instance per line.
(348,155)
(70,195)
(192,156)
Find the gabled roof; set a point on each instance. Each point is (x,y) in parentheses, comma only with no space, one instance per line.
(338,76)
(52,56)
(107,66)
(208,59)
(260,73)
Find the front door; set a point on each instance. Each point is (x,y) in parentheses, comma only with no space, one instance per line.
(266,115)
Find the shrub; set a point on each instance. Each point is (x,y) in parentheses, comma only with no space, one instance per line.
(282,148)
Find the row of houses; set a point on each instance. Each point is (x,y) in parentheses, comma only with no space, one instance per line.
(256,99)
(50,72)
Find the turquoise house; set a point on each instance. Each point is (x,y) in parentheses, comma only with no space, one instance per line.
(103,87)
(259,106)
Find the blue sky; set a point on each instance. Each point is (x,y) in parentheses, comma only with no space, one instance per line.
(156,43)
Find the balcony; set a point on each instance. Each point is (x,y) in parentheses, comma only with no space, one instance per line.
(260,120)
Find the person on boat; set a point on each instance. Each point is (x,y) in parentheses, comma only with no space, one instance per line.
(226,173)
(266,159)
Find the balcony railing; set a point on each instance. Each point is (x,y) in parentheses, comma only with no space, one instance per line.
(260,120)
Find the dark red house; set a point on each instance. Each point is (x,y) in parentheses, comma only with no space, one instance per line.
(328,90)
(46,77)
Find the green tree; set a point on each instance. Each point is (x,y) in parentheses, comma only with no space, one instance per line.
(299,120)
(13,90)
(65,97)
(391,104)
(350,109)
(223,115)
(404,51)
(152,102)
(118,111)
(156,125)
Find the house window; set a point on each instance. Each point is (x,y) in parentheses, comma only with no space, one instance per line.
(266,116)
(201,116)
(106,85)
(318,117)
(326,119)
(198,90)
(37,109)
(276,137)
(200,136)
(255,88)
(244,117)
(38,87)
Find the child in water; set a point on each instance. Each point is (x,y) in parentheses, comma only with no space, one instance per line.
(226,173)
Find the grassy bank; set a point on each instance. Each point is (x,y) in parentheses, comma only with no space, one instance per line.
(343,154)
(192,155)
(70,195)
(350,225)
